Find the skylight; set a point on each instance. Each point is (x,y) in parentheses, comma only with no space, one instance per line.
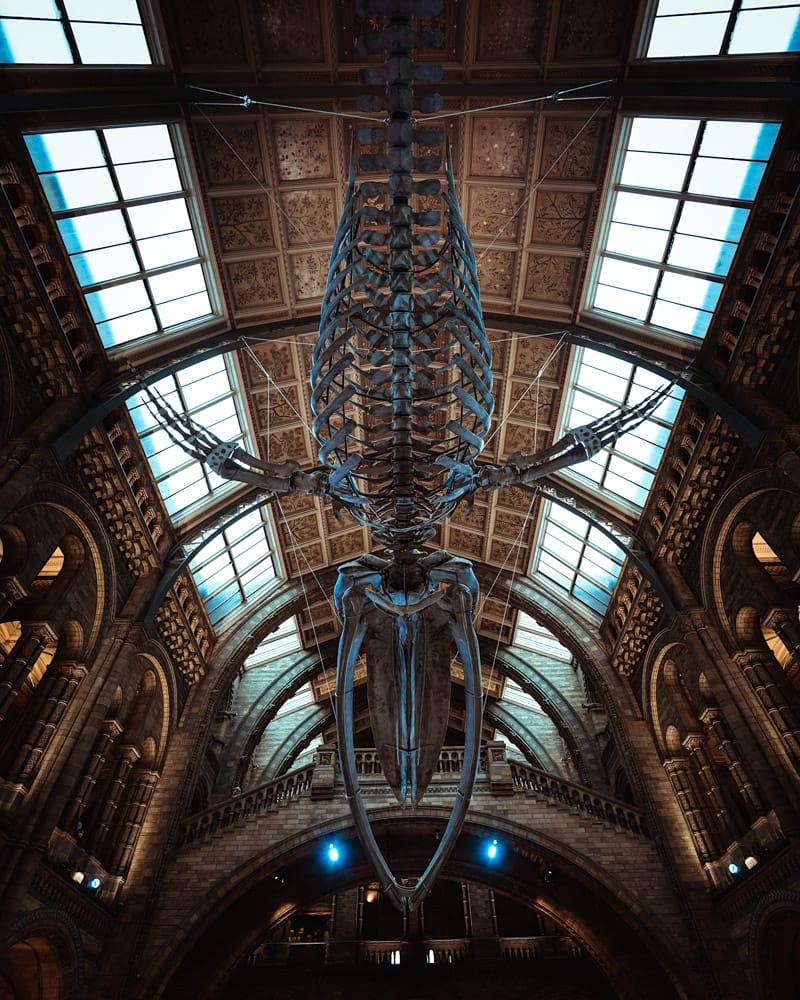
(102,32)
(235,565)
(285,639)
(680,199)
(577,557)
(724,27)
(302,699)
(531,635)
(207,393)
(623,472)
(515,695)
(124,214)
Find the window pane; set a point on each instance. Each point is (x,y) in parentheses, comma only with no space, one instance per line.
(34,42)
(102,10)
(105,264)
(142,180)
(726,178)
(157,219)
(118,301)
(651,170)
(698,254)
(119,44)
(766,31)
(78,189)
(700,34)
(65,150)
(128,328)
(637,241)
(91,232)
(160,250)
(690,321)
(135,143)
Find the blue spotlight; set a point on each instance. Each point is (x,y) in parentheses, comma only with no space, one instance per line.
(492,849)
(333,853)
(733,868)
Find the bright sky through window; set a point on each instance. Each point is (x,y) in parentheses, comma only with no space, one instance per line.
(123,214)
(531,635)
(577,557)
(285,639)
(724,27)
(679,203)
(206,393)
(100,32)
(624,472)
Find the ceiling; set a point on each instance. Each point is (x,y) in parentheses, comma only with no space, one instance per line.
(265,100)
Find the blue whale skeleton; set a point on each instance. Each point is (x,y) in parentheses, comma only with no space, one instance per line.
(401,393)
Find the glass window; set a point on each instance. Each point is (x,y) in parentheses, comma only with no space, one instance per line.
(80,32)
(123,214)
(680,199)
(531,635)
(222,570)
(624,472)
(724,27)
(206,392)
(285,639)
(577,558)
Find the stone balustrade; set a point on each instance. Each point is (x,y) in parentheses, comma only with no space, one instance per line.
(238,808)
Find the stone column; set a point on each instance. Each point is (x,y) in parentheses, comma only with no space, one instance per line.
(713,718)
(128,755)
(705,769)
(787,629)
(343,945)
(680,777)
(57,688)
(11,591)
(131,819)
(771,688)
(35,636)
(109,731)
(482,923)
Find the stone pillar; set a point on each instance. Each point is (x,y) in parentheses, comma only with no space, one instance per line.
(500,779)
(787,629)
(11,591)
(713,718)
(21,660)
(343,945)
(324,775)
(128,755)
(771,688)
(109,731)
(57,688)
(681,780)
(695,743)
(482,923)
(131,819)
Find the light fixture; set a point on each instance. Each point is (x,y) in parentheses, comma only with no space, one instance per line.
(733,868)
(78,877)
(492,849)
(333,853)
(94,884)
(751,861)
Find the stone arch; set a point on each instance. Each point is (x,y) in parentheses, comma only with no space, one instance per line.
(774,946)
(244,905)
(41,958)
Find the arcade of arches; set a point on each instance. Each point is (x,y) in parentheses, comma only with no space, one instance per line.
(168,774)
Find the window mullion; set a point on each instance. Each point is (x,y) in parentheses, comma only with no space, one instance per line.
(726,39)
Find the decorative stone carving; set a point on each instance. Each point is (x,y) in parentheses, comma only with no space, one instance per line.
(531,354)
(491,213)
(476,520)
(303,149)
(570,149)
(244,223)
(506,554)
(288,34)
(211,36)
(640,622)
(277,407)
(467,542)
(517,437)
(255,282)
(346,546)
(532,402)
(589,31)
(509,525)
(309,557)
(232,152)
(511,30)
(309,271)
(551,278)
(290,443)
(496,272)
(561,217)
(499,147)
(276,358)
(311,215)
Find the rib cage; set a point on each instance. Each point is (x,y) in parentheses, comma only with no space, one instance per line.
(401,380)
